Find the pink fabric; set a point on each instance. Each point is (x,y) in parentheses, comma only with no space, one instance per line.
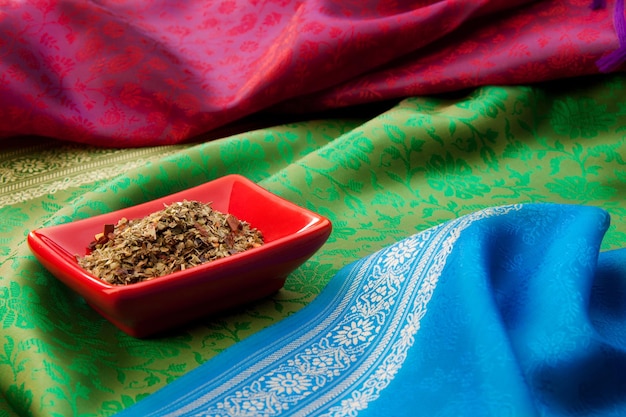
(135,73)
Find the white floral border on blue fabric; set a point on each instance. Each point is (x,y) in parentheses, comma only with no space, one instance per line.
(356,347)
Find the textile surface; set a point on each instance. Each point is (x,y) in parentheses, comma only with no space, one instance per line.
(506,311)
(118,73)
(379,179)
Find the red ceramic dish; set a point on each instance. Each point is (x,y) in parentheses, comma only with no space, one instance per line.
(292,235)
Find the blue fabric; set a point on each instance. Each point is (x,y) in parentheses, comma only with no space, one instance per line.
(510,311)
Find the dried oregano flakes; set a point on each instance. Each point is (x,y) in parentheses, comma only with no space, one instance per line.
(182,235)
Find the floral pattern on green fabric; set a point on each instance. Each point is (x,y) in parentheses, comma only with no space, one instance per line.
(12,217)
(582,117)
(454,177)
(424,161)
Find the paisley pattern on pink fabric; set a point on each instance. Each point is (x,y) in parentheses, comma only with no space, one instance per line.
(122,73)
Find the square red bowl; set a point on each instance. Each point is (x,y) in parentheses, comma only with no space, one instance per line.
(292,235)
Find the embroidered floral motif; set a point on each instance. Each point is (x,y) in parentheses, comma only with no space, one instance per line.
(581,118)
(59,168)
(289,383)
(354,333)
(29,166)
(399,254)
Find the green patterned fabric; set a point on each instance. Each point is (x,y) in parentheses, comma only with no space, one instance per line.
(378,179)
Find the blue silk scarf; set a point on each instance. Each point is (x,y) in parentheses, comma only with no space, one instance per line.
(509,311)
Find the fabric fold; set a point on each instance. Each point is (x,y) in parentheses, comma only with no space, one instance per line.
(494,313)
(163,72)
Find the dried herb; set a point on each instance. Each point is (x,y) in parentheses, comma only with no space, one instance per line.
(182,235)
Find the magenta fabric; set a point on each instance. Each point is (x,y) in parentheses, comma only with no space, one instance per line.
(616,58)
(137,73)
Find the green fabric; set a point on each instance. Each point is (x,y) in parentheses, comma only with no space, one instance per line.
(380,179)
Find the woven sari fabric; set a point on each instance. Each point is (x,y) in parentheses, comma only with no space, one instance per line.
(118,73)
(379,176)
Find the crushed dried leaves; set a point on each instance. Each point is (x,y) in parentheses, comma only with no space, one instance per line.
(182,235)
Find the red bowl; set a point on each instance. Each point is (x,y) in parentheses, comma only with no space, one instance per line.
(292,235)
